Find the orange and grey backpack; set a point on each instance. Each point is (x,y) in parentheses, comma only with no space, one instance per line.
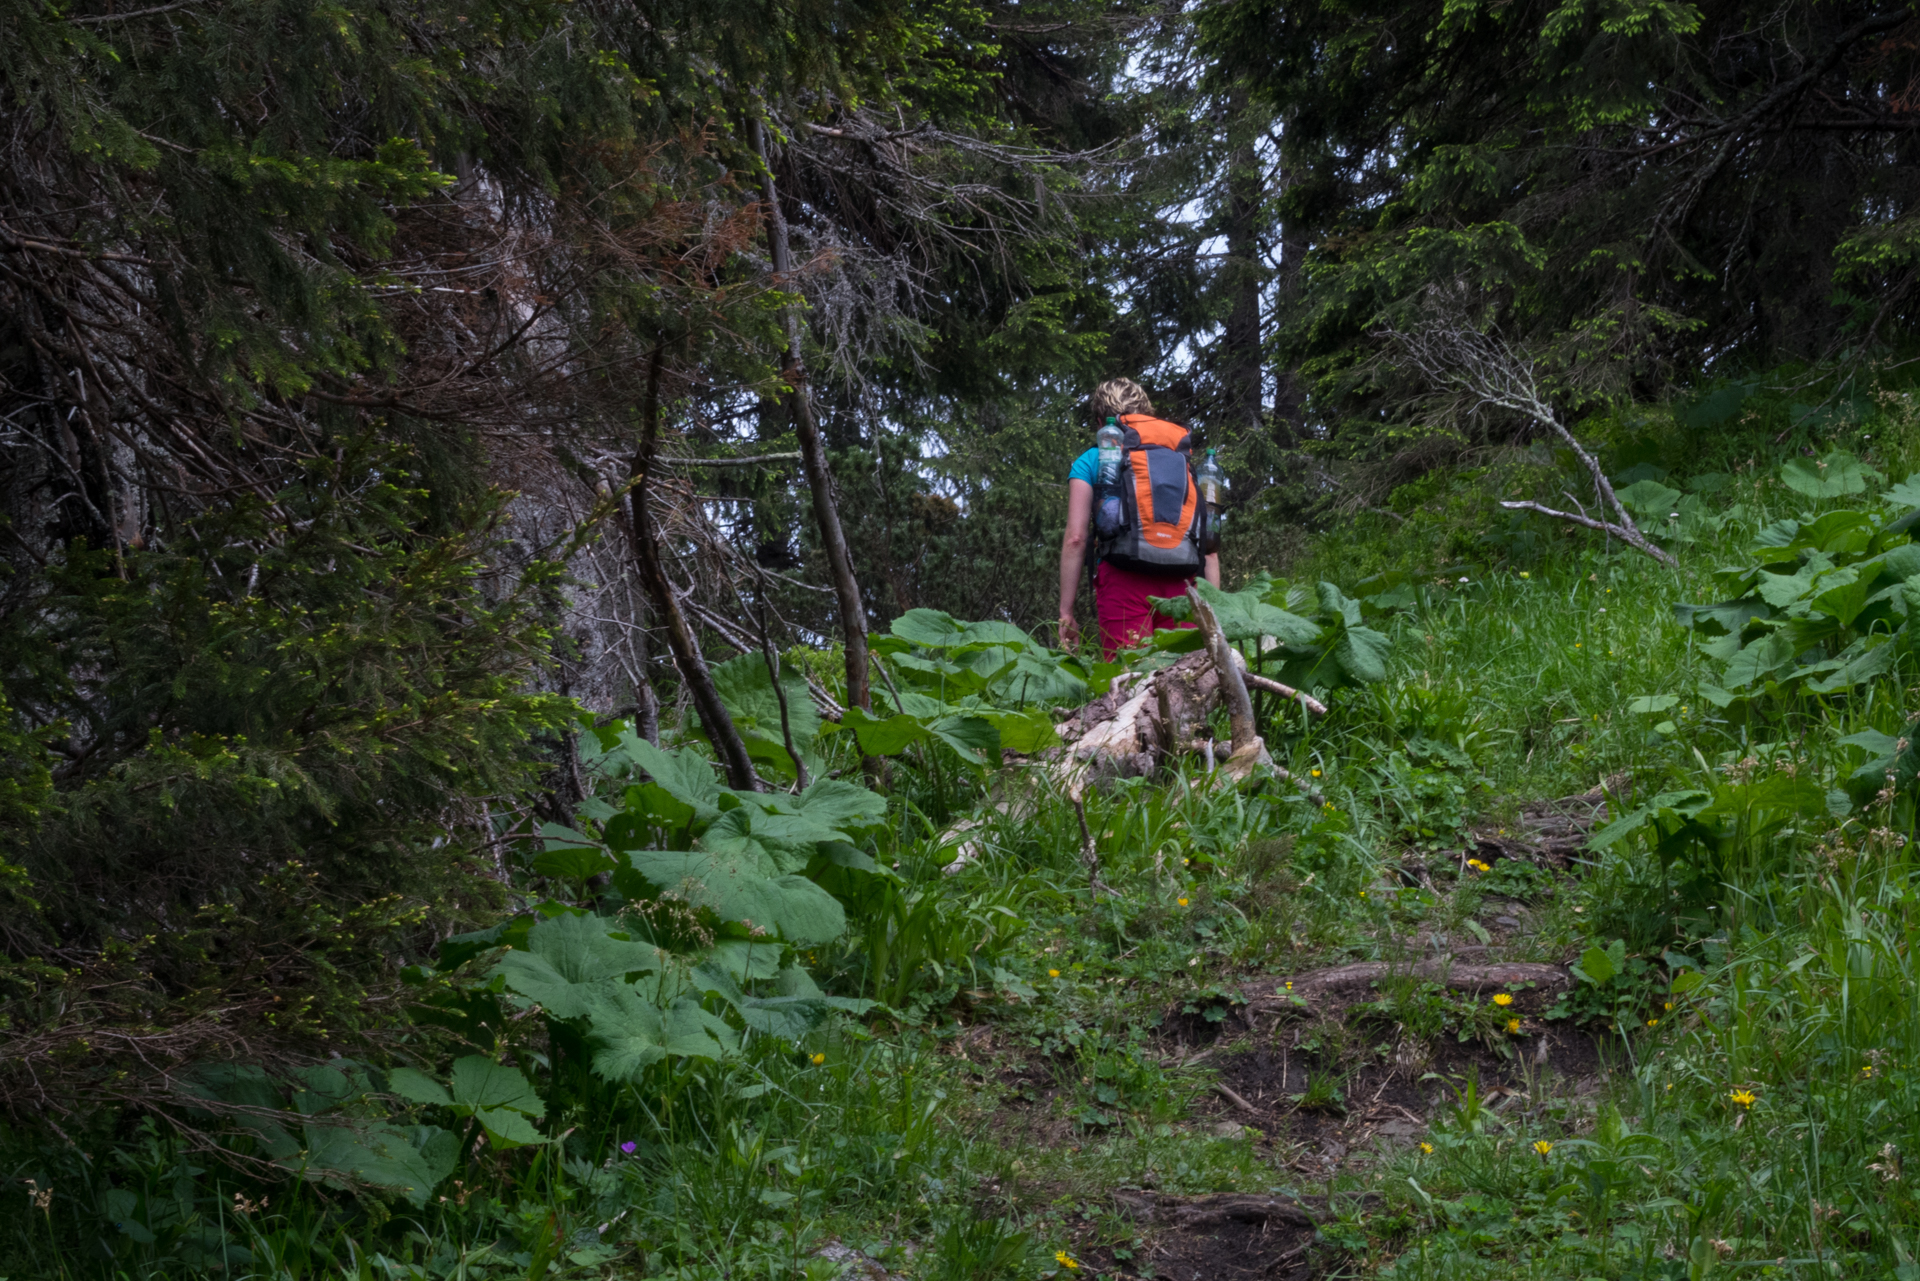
(1163,522)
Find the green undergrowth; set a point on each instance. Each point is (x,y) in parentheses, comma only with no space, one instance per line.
(900,1011)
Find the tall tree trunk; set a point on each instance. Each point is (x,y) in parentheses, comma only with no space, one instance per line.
(1290,394)
(813,453)
(727,743)
(646,703)
(1244,367)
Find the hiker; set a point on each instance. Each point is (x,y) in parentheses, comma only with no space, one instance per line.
(1157,556)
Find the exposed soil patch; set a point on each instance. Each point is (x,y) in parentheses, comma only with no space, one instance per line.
(1393,1101)
(1283,1053)
(1227,1236)
(1550,833)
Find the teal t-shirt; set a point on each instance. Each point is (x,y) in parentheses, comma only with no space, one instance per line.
(1086,467)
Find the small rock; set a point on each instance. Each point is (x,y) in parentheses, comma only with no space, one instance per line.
(1229,1130)
(1506,922)
(1399,1129)
(1333,1149)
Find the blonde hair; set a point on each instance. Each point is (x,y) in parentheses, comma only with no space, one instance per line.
(1118,396)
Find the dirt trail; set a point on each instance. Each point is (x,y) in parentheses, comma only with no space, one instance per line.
(1294,1038)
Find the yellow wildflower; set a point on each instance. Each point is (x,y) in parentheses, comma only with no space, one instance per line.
(1316,773)
(1513,1026)
(1502,998)
(1745,1098)
(1542,1146)
(1064,1259)
(1182,902)
(1053,974)
(1653,1022)
(1427,1148)
(818,1059)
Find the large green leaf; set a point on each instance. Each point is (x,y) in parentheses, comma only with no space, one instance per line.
(842,809)
(1041,680)
(1725,618)
(975,738)
(1760,659)
(746,687)
(566,956)
(1901,561)
(994,631)
(1335,602)
(929,627)
(792,906)
(1781,590)
(1906,493)
(622,1057)
(766,844)
(373,1152)
(795,1008)
(883,737)
(1842,595)
(684,775)
(478,1083)
(566,860)
(1023,732)
(1649,499)
(1837,474)
(1866,658)
(990,662)
(1245,615)
(417,1087)
(1362,654)
(507,1128)
(1841,533)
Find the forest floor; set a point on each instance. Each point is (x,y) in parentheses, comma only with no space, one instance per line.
(1299,1091)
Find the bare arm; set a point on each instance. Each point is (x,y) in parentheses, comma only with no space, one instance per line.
(1212,571)
(1073,557)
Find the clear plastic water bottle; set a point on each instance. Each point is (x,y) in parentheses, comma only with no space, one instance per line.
(1211,479)
(1107,519)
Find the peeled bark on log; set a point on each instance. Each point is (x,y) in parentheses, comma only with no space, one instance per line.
(1146,718)
(1140,721)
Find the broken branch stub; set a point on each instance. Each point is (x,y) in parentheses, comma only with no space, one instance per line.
(1249,750)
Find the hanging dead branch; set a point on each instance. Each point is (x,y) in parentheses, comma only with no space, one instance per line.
(1453,353)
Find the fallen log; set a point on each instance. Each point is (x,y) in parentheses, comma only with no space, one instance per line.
(1140,721)
(1147,717)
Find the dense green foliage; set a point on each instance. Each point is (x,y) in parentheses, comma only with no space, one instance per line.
(356,358)
(1631,191)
